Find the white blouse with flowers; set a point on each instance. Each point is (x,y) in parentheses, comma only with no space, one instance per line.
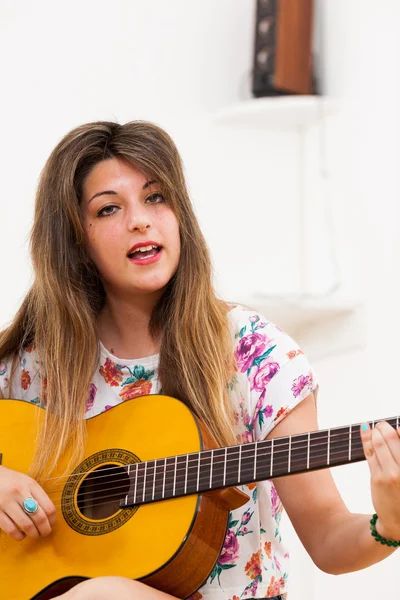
(272,377)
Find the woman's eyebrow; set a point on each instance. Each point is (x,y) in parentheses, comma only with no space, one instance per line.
(112,193)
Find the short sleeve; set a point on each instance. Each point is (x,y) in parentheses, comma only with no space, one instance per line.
(25,381)
(5,366)
(274,375)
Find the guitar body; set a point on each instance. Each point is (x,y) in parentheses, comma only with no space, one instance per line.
(171,545)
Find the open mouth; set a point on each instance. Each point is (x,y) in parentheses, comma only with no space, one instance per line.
(144,252)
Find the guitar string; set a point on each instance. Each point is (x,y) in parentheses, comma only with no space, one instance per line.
(167,489)
(246,453)
(190,480)
(313,436)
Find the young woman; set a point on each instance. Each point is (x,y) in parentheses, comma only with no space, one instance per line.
(122,305)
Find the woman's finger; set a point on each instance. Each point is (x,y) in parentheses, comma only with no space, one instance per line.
(44,502)
(380,441)
(391,439)
(23,521)
(368,447)
(9,527)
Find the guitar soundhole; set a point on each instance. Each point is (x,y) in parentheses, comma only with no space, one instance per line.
(102,490)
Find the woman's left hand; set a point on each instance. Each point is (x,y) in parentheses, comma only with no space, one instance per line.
(382,451)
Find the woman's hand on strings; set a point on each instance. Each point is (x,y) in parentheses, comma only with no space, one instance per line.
(382,451)
(14,521)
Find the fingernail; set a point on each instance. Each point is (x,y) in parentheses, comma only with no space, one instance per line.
(364,427)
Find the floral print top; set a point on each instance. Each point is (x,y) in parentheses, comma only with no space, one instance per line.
(272,377)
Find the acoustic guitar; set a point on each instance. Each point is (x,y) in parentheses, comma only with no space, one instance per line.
(151,498)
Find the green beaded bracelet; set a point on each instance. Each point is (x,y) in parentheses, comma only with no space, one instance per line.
(378,537)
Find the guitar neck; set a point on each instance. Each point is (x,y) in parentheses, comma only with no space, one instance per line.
(199,472)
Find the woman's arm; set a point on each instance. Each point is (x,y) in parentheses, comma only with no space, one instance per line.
(337,540)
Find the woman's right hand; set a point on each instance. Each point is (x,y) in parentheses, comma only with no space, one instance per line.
(14,521)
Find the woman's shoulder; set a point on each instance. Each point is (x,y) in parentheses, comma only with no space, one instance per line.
(246,321)
(256,339)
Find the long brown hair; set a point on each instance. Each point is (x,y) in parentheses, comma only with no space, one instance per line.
(58,315)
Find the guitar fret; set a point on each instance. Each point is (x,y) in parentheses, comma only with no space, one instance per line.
(186,471)
(205,474)
(192,470)
(240,462)
(165,472)
(136,480)
(308,450)
(154,479)
(198,474)
(272,457)
(226,451)
(211,468)
(289,453)
(350,434)
(255,462)
(328,448)
(232,465)
(176,462)
(144,480)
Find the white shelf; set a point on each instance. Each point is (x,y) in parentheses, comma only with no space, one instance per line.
(297,315)
(280,113)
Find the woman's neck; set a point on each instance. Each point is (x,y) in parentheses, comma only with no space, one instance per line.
(123,328)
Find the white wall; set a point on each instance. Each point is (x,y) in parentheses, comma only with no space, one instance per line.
(176,63)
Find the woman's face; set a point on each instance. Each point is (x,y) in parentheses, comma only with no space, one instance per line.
(132,233)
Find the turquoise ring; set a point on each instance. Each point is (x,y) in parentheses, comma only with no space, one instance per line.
(30,506)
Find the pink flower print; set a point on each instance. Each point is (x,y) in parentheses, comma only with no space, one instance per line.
(3,367)
(253,587)
(230,551)
(254,318)
(260,412)
(268,410)
(108,406)
(277,563)
(260,378)
(275,501)
(299,384)
(246,517)
(92,395)
(250,347)
(246,437)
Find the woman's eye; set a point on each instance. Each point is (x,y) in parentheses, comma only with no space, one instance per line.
(107,210)
(155,198)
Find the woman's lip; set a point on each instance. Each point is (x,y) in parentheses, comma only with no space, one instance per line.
(141,244)
(147,261)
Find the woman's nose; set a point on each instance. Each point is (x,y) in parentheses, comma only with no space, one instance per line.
(139,221)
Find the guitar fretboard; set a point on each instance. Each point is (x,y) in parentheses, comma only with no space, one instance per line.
(208,470)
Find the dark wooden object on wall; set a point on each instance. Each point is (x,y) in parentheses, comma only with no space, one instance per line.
(283,48)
